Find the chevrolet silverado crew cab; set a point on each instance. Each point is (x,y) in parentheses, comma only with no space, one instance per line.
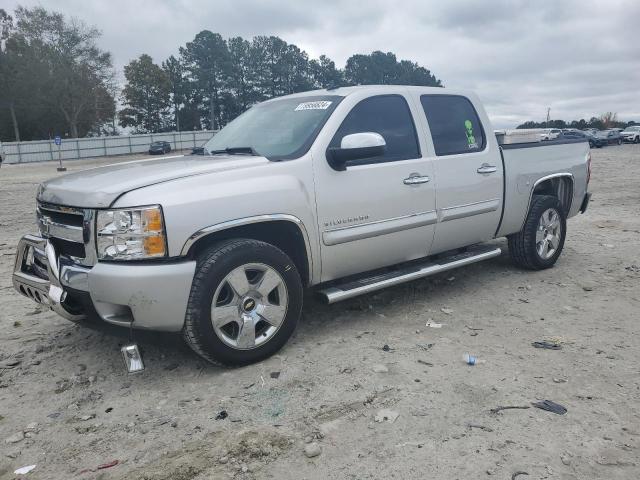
(345,191)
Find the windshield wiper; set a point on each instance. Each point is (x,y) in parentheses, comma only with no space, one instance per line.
(236,151)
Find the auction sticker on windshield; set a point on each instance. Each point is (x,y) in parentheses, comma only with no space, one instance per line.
(319,105)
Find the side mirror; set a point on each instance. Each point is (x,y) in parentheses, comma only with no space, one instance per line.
(356,147)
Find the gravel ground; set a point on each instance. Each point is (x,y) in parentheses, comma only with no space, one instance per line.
(67,405)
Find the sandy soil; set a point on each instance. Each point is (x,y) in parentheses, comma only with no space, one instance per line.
(63,387)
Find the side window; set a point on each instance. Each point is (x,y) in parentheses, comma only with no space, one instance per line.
(388,115)
(454,124)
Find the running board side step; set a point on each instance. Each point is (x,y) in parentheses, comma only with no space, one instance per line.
(364,285)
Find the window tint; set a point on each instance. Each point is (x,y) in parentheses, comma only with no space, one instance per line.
(454,124)
(388,115)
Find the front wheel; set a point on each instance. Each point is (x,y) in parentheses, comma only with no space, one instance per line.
(619,141)
(539,244)
(636,140)
(245,302)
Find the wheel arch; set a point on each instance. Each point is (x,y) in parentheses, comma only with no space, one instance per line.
(286,232)
(559,185)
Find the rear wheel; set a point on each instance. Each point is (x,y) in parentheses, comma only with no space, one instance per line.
(245,302)
(539,244)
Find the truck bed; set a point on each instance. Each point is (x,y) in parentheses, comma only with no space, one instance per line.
(528,164)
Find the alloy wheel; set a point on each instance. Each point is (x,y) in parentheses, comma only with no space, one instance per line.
(249,306)
(548,233)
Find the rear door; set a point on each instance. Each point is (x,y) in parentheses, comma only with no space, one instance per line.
(468,172)
(379,211)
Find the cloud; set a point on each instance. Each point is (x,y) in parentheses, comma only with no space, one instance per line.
(578,57)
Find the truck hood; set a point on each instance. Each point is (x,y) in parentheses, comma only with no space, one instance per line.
(99,187)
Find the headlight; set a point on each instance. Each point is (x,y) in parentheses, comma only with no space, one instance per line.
(131,234)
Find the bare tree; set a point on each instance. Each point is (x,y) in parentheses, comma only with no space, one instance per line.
(609,119)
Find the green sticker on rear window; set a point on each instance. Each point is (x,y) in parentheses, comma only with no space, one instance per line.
(471,139)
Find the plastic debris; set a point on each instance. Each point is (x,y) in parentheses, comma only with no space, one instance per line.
(110,464)
(471,359)
(547,345)
(24,470)
(433,325)
(446,311)
(550,406)
(222,415)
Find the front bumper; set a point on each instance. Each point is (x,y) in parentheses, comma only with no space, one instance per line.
(136,295)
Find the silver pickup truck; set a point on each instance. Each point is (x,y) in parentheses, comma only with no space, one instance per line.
(345,191)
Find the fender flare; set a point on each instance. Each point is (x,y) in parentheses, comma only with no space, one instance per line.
(219,227)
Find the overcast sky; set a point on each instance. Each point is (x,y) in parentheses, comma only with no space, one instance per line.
(578,57)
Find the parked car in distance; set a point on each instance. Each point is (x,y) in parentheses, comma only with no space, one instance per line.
(158,148)
(611,136)
(550,133)
(331,189)
(631,134)
(197,151)
(593,140)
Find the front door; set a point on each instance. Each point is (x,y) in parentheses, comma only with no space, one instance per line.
(468,172)
(379,211)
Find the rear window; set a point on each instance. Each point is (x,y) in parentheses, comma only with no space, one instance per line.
(454,124)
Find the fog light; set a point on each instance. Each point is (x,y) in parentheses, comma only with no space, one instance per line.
(132,358)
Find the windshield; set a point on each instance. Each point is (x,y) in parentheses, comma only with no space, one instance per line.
(279,129)
(632,129)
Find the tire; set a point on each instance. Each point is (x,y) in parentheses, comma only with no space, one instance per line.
(619,141)
(591,144)
(636,140)
(526,248)
(238,274)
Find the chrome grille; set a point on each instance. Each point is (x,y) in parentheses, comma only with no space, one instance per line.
(70,230)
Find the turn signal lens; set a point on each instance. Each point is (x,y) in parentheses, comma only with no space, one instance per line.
(153,220)
(154,246)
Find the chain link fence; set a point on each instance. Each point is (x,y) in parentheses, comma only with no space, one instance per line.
(79,148)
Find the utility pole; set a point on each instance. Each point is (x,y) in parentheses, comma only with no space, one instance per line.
(548,116)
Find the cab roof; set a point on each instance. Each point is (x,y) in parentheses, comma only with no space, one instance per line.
(346,91)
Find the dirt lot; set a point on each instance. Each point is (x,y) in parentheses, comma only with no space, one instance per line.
(68,407)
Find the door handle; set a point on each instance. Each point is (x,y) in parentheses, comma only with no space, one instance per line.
(486,168)
(416,180)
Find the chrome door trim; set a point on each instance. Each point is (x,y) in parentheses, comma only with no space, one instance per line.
(416,179)
(469,209)
(485,169)
(338,236)
(218,227)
